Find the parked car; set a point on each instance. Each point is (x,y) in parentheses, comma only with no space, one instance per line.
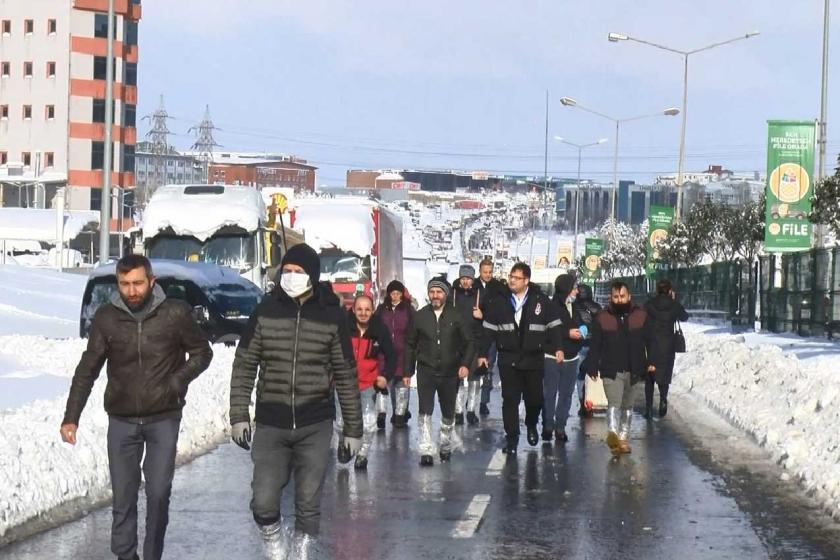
(221,299)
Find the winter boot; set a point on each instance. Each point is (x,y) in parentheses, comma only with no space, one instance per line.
(624,430)
(306,547)
(427,461)
(424,439)
(483,409)
(459,418)
(275,541)
(546,434)
(472,419)
(613,422)
(380,421)
(361,463)
(663,406)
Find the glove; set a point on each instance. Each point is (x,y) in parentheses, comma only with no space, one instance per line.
(240,433)
(481,370)
(584,331)
(348,449)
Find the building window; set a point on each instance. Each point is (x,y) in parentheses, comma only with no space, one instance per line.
(27,112)
(97,155)
(4,112)
(99,67)
(5,69)
(100,25)
(99,110)
(50,69)
(26,158)
(96,199)
(130,33)
(128,158)
(4,158)
(49,159)
(50,112)
(131,73)
(7,27)
(130,116)
(28,26)
(52,26)
(27,69)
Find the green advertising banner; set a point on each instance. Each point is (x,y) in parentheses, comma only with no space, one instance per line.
(790,164)
(660,219)
(594,248)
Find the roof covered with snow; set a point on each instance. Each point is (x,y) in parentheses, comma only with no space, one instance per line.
(201,212)
(345,223)
(35,224)
(203,274)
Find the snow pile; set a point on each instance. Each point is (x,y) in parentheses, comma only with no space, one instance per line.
(344,223)
(39,473)
(38,301)
(201,215)
(792,408)
(39,225)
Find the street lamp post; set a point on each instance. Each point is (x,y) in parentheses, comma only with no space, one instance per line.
(670,112)
(616,37)
(580,148)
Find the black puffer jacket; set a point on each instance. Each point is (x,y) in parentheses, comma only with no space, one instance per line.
(147,372)
(304,356)
(522,346)
(586,306)
(438,346)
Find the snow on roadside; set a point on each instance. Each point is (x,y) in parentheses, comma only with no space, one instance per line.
(790,407)
(39,473)
(40,301)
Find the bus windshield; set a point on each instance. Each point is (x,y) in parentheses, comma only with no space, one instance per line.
(234,251)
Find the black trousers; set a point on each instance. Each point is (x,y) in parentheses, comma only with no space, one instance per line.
(663,390)
(518,384)
(446,388)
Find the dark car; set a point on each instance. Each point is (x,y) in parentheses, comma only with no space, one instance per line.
(221,299)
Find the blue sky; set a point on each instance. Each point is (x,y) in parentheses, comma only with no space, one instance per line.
(461,84)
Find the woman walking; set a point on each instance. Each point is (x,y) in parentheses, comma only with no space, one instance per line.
(397,315)
(663,311)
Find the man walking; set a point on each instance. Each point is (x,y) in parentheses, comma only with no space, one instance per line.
(143,337)
(465,298)
(298,340)
(488,288)
(440,349)
(587,308)
(619,351)
(524,324)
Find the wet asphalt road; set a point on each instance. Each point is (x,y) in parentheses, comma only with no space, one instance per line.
(685,492)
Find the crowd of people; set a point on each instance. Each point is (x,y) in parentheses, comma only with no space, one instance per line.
(318,368)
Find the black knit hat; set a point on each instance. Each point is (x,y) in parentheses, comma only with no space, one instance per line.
(440,282)
(564,284)
(395,285)
(305,257)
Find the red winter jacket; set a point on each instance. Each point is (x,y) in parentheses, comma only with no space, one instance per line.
(373,351)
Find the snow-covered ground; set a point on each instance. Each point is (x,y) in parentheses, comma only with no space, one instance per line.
(780,389)
(40,301)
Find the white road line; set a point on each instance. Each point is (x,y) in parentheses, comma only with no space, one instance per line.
(466,527)
(497,462)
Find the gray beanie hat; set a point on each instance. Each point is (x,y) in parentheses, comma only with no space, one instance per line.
(466,270)
(439,282)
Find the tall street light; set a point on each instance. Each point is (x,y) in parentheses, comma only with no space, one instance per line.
(580,148)
(616,37)
(670,112)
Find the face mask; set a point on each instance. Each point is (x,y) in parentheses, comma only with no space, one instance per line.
(571,299)
(295,284)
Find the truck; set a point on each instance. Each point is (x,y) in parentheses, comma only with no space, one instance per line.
(226,225)
(358,240)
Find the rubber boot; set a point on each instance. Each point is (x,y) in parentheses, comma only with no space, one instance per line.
(613,427)
(275,541)
(306,547)
(424,439)
(473,396)
(381,409)
(369,425)
(624,430)
(401,408)
(447,433)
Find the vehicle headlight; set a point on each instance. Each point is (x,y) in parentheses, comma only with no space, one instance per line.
(201,314)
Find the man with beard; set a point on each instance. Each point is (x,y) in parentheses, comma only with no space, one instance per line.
(488,288)
(440,348)
(465,298)
(525,325)
(143,336)
(619,350)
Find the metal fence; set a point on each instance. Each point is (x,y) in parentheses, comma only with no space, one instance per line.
(794,292)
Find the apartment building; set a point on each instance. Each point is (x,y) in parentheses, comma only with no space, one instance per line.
(52,97)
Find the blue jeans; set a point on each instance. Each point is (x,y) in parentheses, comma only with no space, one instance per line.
(581,374)
(558,388)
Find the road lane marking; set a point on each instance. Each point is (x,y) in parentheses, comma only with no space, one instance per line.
(497,462)
(467,526)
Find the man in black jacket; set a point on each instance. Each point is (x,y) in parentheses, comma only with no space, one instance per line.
(488,288)
(587,308)
(298,340)
(440,349)
(524,324)
(466,299)
(619,350)
(143,336)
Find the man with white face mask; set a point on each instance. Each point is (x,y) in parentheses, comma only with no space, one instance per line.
(298,340)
